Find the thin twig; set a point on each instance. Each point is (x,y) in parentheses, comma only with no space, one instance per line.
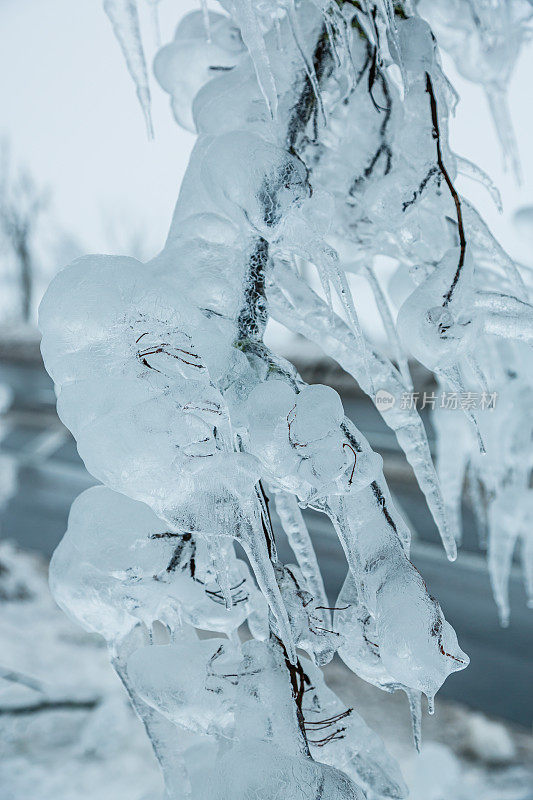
(444,171)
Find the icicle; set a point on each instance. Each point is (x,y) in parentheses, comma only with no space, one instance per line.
(413,441)
(471,170)
(323,275)
(527,565)
(480,235)
(220,566)
(154,8)
(499,108)
(415,709)
(295,305)
(453,444)
(477,371)
(257,553)
(340,283)
(124,18)
(207,24)
(309,68)
(244,14)
(479,505)
(504,529)
(452,376)
(390,328)
(293,524)
(431,704)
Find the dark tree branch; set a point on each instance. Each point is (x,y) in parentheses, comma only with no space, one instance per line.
(455,196)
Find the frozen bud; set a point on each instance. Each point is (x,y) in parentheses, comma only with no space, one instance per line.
(318,412)
(267,409)
(189,62)
(87,595)
(219,28)
(297,436)
(436,321)
(117,534)
(509,521)
(232,101)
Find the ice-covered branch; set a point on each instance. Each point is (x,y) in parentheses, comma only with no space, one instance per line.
(322,137)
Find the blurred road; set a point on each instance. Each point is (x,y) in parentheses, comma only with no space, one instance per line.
(50,475)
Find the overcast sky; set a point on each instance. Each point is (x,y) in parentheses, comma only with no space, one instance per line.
(70,111)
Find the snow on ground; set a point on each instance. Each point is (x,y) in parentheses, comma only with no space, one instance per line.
(67,731)
(464,755)
(66,728)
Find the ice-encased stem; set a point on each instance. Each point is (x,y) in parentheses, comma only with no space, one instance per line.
(256,549)
(297,306)
(160,731)
(293,524)
(390,328)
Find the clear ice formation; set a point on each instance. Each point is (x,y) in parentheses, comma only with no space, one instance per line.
(322,138)
(124,18)
(484,38)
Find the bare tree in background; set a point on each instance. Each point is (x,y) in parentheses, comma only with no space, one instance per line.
(21,204)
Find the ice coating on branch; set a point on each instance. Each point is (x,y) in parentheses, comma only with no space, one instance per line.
(275,774)
(417,647)
(435,324)
(216,687)
(118,565)
(340,737)
(124,18)
(307,629)
(295,529)
(471,170)
(322,147)
(453,445)
(298,438)
(297,306)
